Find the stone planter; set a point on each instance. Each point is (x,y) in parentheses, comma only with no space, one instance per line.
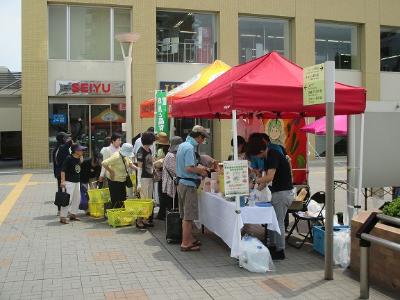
(384,264)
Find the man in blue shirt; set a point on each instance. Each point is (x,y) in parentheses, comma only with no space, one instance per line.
(189,174)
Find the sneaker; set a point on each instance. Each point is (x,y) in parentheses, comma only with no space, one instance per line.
(278,255)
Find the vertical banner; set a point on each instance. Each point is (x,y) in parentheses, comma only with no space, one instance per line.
(161,112)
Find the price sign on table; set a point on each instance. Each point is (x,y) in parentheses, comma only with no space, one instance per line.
(236,178)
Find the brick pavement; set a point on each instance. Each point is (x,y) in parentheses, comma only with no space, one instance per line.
(40,259)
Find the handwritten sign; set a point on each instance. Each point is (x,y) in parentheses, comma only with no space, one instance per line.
(236,178)
(314,85)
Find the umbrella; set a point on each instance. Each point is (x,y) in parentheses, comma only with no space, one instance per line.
(318,127)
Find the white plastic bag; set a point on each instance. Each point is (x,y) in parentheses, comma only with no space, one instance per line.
(313,208)
(341,248)
(254,256)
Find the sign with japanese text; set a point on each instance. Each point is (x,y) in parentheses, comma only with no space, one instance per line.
(314,85)
(236,178)
(161,112)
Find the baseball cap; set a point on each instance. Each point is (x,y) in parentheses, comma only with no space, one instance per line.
(77,147)
(202,130)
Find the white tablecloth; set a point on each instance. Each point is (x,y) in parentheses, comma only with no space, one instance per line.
(219,216)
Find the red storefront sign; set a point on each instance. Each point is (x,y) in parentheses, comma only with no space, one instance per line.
(93,88)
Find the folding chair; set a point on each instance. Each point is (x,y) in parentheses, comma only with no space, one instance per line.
(291,210)
(318,197)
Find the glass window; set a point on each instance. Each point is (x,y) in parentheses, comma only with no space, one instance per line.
(390,49)
(90,33)
(258,36)
(185,37)
(58,31)
(122,23)
(339,43)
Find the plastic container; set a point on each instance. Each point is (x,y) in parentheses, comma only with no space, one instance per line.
(118,217)
(96,210)
(99,195)
(319,237)
(140,207)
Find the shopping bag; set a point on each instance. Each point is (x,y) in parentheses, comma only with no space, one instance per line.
(83,205)
(254,256)
(62,199)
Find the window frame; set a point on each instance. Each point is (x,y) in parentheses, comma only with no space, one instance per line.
(383,27)
(215,23)
(68,31)
(285,21)
(358,39)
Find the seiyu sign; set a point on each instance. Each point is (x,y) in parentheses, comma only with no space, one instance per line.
(89,88)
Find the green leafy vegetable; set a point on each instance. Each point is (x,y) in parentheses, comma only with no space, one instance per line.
(393,208)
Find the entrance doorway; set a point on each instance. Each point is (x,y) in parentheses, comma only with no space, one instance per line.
(89,124)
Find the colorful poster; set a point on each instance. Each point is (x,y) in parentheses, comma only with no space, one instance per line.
(161,113)
(236,178)
(287,133)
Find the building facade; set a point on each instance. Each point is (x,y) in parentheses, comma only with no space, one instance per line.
(73,73)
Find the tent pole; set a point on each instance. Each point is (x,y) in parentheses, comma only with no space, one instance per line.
(235,157)
(329,166)
(360,169)
(351,157)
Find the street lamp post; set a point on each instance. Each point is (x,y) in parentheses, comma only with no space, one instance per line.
(128,38)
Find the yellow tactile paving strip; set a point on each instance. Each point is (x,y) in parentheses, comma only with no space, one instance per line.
(8,203)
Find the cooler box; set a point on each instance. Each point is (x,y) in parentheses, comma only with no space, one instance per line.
(319,237)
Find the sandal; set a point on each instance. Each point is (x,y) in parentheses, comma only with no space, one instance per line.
(197,243)
(140,226)
(74,218)
(190,248)
(64,221)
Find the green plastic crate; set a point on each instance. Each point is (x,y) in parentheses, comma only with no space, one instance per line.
(96,210)
(99,195)
(118,217)
(142,208)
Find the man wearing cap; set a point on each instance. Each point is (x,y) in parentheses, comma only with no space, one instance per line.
(189,174)
(70,181)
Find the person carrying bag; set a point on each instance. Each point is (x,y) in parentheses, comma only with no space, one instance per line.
(118,175)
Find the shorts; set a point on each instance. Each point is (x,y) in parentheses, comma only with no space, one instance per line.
(188,203)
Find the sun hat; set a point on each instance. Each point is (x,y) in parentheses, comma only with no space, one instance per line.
(175,142)
(126,150)
(162,138)
(202,130)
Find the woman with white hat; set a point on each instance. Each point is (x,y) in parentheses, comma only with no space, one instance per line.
(117,167)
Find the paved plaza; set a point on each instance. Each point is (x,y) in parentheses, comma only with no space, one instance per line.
(41,259)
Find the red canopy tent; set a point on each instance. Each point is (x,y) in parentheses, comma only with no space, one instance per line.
(269,84)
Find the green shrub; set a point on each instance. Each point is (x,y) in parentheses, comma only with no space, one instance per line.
(393,208)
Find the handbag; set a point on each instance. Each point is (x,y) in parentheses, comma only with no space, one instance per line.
(128,180)
(62,198)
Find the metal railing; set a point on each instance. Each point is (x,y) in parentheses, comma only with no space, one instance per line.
(10,83)
(365,243)
(185,53)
